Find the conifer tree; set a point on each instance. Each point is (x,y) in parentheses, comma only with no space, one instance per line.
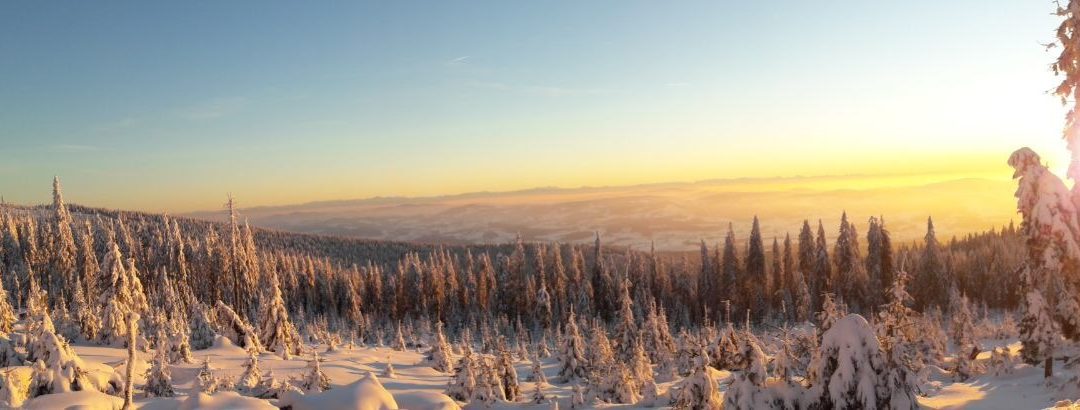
(252,376)
(276,331)
(439,355)
(504,368)
(205,381)
(463,382)
(572,362)
(159,375)
(315,380)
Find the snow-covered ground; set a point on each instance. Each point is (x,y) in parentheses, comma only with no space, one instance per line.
(417,386)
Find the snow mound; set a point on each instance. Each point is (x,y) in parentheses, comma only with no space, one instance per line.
(224,347)
(79,400)
(224,401)
(365,394)
(426,401)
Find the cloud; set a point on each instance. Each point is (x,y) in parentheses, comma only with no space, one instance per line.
(462,60)
(215,108)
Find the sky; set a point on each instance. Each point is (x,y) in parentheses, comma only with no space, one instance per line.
(172,105)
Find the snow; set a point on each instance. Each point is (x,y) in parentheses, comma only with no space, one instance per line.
(223,401)
(75,401)
(364,394)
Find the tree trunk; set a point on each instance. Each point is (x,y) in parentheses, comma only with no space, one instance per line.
(1048,367)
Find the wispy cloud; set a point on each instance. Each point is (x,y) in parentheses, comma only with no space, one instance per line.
(462,60)
(215,108)
(538,90)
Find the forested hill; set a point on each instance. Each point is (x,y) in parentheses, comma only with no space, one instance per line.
(358,283)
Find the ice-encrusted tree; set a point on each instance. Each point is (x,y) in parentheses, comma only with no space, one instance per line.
(572,362)
(276,331)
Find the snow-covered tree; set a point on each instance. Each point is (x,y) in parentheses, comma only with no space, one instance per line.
(129,365)
(315,380)
(232,326)
(504,368)
(747,390)
(399,339)
(205,381)
(202,333)
(12,395)
(117,297)
(389,372)
(250,379)
(276,331)
(1038,331)
(463,383)
(159,375)
(439,355)
(572,362)
(57,369)
(848,371)
(899,334)
(699,391)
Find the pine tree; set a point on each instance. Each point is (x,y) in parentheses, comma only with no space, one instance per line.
(205,381)
(699,391)
(504,368)
(202,334)
(439,355)
(389,372)
(537,372)
(252,376)
(159,375)
(276,331)
(754,282)
(315,380)
(899,334)
(930,284)
(572,362)
(117,297)
(747,390)
(848,370)
(11,394)
(463,383)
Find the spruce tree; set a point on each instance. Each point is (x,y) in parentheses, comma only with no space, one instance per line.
(276,331)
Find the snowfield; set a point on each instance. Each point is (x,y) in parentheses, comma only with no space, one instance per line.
(416,386)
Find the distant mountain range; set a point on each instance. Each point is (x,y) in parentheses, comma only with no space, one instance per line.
(674,216)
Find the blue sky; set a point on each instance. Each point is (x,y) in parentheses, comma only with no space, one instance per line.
(169,106)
